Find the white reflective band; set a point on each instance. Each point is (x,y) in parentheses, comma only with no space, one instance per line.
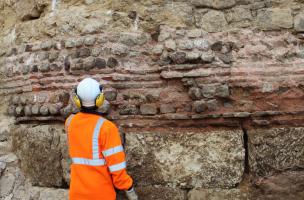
(68,122)
(112,151)
(95,138)
(117,167)
(91,162)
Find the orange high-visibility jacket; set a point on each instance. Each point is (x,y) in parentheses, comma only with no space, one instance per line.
(98,159)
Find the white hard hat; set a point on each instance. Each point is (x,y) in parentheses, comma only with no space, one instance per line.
(87,90)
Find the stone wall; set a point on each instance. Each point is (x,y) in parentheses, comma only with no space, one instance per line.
(208,95)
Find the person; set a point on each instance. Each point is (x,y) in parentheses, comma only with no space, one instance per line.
(95,147)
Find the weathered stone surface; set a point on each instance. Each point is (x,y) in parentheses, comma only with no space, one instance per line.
(217,194)
(160,193)
(6,184)
(286,185)
(43,142)
(167,108)
(195,93)
(178,57)
(112,62)
(148,109)
(201,44)
(186,159)
(222,91)
(299,22)
(274,19)
(185,44)
(128,110)
(276,149)
(110,95)
(207,56)
(217,4)
(213,21)
(199,106)
(212,105)
(119,49)
(170,45)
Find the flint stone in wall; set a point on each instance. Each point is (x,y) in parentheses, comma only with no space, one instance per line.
(213,21)
(217,4)
(43,169)
(274,19)
(213,159)
(299,22)
(276,149)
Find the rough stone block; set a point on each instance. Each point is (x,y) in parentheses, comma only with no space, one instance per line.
(213,21)
(131,39)
(208,56)
(167,108)
(195,93)
(299,22)
(274,19)
(201,44)
(120,49)
(217,194)
(276,149)
(100,63)
(112,62)
(148,109)
(210,159)
(199,106)
(170,45)
(128,110)
(43,169)
(286,185)
(212,105)
(110,95)
(178,57)
(222,91)
(160,193)
(217,4)
(185,44)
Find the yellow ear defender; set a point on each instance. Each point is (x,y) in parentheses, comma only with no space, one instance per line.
(100,98)
(98,101)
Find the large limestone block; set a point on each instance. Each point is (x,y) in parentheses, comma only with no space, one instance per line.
(186,159)
(276,149)
(38,148)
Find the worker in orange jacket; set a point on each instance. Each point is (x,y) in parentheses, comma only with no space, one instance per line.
(98,159)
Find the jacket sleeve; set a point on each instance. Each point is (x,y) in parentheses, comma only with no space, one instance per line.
(115,157)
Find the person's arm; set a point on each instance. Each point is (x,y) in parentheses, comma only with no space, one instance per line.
(114,155)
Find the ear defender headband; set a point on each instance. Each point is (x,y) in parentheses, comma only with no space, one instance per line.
(99,100)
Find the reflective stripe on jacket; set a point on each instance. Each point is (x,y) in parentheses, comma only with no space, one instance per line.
(98,159)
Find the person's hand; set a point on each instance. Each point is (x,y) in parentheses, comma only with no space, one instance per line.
(131,194)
